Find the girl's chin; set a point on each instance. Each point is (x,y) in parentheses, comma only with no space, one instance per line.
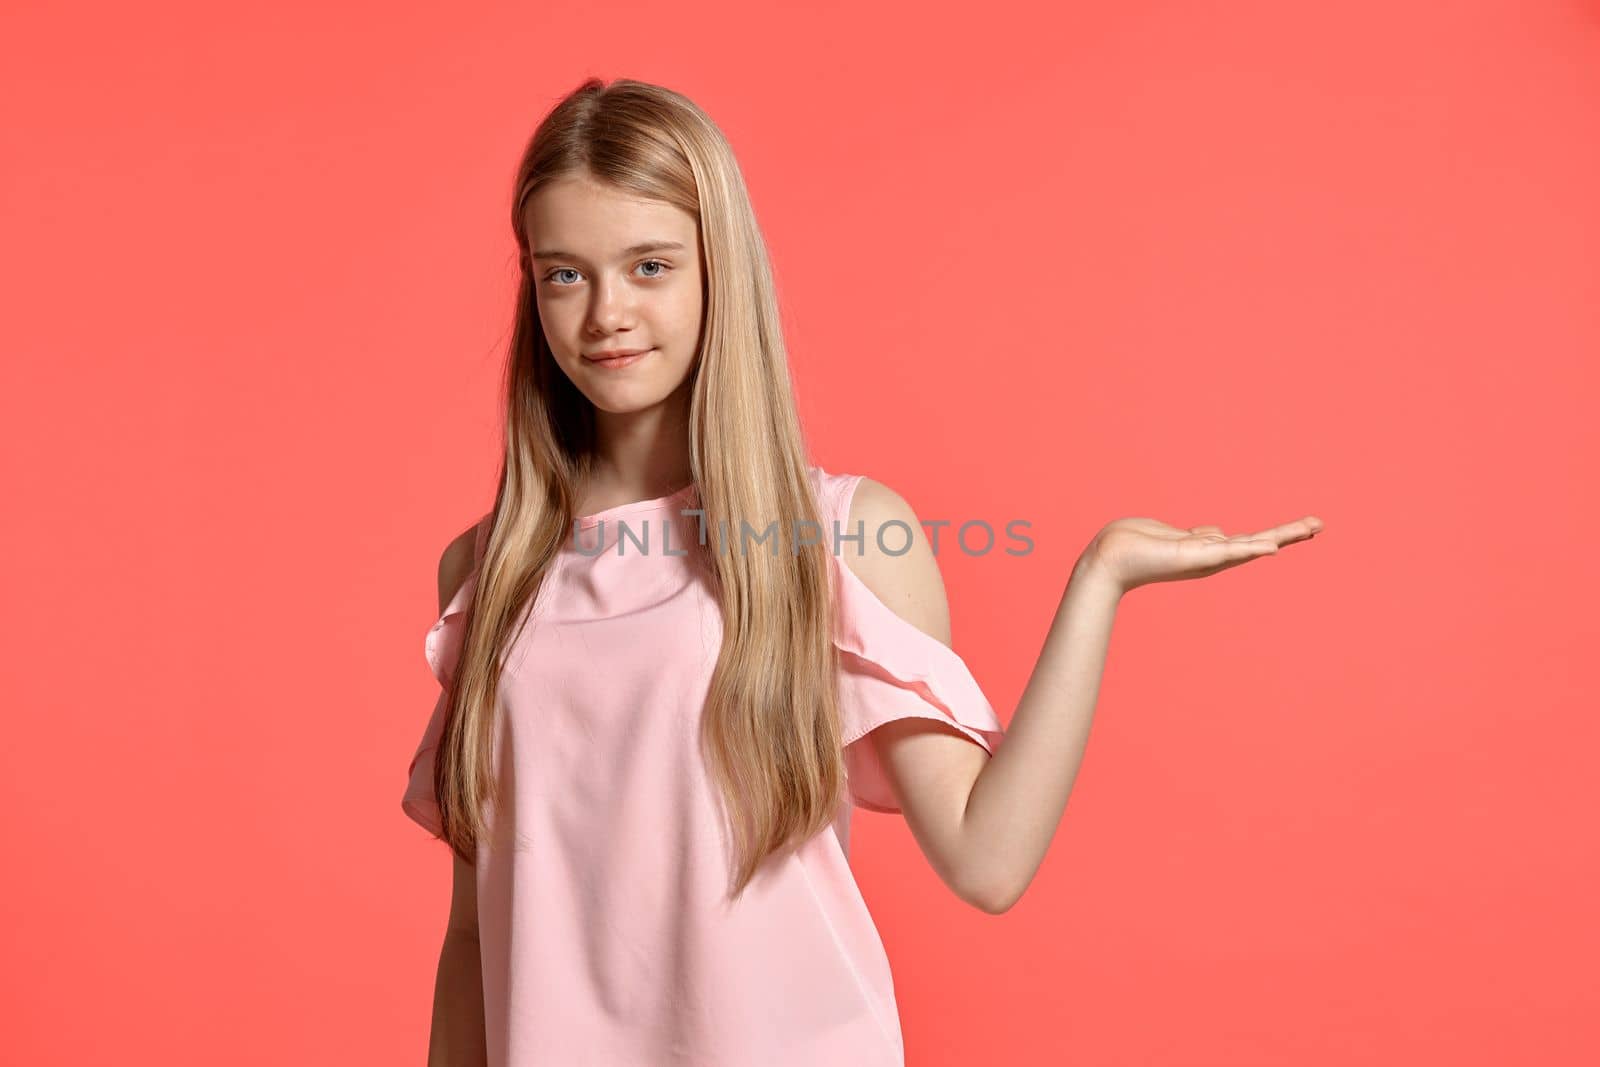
(627,400)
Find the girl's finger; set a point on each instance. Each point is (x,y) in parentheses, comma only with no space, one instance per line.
(1298,530)
(1241,548)
(1244,548)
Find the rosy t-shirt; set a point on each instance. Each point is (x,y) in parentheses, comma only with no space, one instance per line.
(605,930)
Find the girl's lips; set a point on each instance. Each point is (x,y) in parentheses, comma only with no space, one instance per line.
(619,361)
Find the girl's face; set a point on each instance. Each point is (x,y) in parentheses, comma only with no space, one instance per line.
(612,272)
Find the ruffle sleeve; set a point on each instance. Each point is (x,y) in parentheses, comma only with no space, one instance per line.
(442,649)
(889,669)
(420,802)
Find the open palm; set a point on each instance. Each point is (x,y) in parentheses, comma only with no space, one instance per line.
(1139,551)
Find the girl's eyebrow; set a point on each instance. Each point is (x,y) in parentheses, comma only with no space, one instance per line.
(632,250)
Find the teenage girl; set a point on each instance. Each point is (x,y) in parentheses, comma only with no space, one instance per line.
(675,654)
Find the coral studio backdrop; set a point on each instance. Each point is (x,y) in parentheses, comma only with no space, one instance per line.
(1066,262)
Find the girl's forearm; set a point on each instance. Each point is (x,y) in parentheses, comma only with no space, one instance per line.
(458,1037)
(1018,799)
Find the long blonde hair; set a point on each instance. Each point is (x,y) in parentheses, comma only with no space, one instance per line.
(770,728)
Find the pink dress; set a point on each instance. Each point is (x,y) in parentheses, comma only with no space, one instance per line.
(605,931)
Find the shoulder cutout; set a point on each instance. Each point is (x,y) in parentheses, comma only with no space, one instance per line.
(458,575)
(894,558)
(456,563)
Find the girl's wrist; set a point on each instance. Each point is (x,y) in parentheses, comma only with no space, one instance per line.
(1090,571)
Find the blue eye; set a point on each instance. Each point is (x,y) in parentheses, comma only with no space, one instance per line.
(551,277)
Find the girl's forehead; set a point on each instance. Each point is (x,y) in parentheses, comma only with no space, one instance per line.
(586,196)
(585,224)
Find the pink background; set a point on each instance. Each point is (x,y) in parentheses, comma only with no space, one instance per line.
(1225,264)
